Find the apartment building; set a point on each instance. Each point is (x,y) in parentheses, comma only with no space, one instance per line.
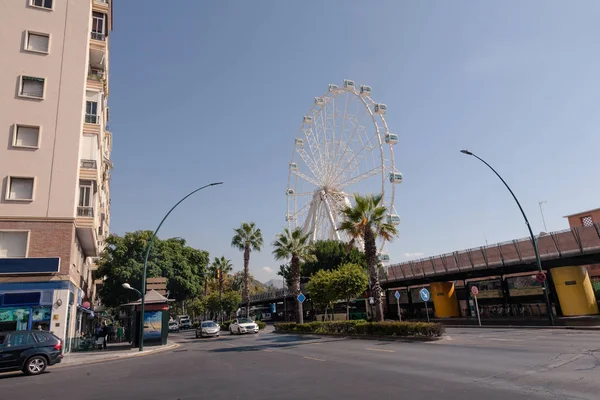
(54,160)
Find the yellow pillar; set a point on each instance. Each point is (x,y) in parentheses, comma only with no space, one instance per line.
(574,290)
(444,299)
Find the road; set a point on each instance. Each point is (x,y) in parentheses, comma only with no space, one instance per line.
(470,363)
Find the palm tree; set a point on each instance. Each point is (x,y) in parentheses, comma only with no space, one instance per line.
(247,238)
(294,245)
(221,267)
(366,221)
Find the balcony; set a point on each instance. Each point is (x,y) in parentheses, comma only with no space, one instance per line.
(101,5)
(98,36)
(84,227)
(87,212)
(91,119)
(88,170)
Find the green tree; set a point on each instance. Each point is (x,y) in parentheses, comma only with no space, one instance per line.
(122,261)
(295,246)
(247,238)
(196,308)
(221,267)
(348,282)
(230,302)
(320,289)
(212,303)
(285,271)
(330,254)
(366,220)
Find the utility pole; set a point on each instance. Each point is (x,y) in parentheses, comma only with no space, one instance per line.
(542,212)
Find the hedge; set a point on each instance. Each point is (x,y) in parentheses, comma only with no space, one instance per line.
(363,328)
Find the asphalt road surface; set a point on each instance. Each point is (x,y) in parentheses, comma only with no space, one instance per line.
(469,364)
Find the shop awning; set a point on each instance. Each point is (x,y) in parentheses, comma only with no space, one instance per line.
(86,310)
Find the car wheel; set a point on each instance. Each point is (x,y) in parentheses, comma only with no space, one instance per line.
(35,365)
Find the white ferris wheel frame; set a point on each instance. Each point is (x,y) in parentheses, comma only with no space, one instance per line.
(327,193)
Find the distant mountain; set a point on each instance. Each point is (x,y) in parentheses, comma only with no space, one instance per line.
(276,283)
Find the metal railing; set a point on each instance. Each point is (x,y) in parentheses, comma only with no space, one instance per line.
(91,118)
(98,36)
(101,1)
(85,212)
(96,74)
(89,164)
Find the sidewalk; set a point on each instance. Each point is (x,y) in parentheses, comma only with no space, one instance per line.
(114,351)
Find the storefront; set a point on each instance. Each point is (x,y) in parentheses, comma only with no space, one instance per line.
(51,306)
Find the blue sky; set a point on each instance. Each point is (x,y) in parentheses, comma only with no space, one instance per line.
(215,91)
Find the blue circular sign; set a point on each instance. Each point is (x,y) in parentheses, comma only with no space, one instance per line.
(424,293)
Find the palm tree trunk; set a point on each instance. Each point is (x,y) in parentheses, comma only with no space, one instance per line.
(247,279)
(295,264)
(371,255)
(221,296)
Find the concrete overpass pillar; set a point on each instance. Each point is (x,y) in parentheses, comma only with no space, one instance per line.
(574,290)
(444,299)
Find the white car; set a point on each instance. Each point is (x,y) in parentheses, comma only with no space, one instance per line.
(243,325)
(173,326)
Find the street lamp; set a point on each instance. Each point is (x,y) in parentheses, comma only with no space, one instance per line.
(533,240)
(128,287)
(141,348)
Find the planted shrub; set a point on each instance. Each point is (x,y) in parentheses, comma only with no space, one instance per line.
(349,328)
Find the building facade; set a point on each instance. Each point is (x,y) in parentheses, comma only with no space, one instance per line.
(55,161)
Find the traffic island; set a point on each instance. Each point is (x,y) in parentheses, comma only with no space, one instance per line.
(420,331)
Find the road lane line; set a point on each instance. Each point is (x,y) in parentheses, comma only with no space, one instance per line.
(231,345)
(312,358)
(383,350)
(268,351)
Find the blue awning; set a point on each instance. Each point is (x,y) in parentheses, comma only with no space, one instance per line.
(86,310)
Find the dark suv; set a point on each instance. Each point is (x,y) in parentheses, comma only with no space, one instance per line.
(29,351)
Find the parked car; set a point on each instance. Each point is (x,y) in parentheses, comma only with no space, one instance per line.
(242,325)
(185,323)
(208,329)
(29,351)
(173,326)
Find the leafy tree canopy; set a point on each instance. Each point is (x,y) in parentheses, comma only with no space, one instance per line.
(123,260)
(331,254)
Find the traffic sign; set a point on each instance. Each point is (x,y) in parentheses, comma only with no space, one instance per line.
(474,290)
(540,277)
(301,297)
(424,293)
(397,295)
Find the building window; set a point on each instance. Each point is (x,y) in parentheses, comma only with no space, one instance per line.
(13,244)
(31,87)
(89,151)
(47,4)
(26,136)
(19,188)
(98,26)
(587,221)
(37,42)
(86,199)
(91,112)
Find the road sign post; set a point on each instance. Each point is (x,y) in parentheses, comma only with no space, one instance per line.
(397,296)
(424,293)
(475,292)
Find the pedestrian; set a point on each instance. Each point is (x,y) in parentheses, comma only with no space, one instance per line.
(119,333)
(109,333)
(103,334)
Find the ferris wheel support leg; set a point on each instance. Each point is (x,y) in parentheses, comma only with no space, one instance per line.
(330,215)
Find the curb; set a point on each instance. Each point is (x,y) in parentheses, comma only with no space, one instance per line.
(562,327)
(407,339)
(121,357)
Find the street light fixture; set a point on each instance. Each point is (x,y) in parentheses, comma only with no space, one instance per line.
(143,293)
(533,240)
(129,287)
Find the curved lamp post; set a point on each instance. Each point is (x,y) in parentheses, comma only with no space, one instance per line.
(533,240)
(143,293)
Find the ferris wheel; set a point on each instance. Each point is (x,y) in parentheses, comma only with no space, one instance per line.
(343,147)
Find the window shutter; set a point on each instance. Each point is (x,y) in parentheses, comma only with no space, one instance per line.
(13,244)
(33,87)
(91,96)
(89,147)
(27,136)
(21,188)
(38,42)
